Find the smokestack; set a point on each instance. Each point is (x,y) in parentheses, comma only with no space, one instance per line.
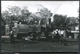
(49,20)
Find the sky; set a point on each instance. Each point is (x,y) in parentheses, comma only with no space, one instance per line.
(69,8)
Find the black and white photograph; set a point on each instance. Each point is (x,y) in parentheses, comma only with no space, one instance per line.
(39,26)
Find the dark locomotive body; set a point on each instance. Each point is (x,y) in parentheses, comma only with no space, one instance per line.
(36,31)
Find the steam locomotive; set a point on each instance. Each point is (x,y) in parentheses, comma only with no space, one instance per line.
(36,31)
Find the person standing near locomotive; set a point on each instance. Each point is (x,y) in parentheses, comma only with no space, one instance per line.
(11,37)
(54,36)
(58,36)
(63,39)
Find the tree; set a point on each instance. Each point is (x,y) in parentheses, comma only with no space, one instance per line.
(15,13)
(6,16)
(14,10)
(63,22)
(25,13)
(44,14)
(59,21)
(73,21)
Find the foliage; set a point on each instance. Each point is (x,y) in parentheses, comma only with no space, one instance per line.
(44,14)
(15,13)
(6,16)
(23,14)
(64,22)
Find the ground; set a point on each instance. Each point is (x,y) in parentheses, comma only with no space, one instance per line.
(39,46)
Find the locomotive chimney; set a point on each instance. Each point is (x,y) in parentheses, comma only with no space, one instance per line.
(49,20)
